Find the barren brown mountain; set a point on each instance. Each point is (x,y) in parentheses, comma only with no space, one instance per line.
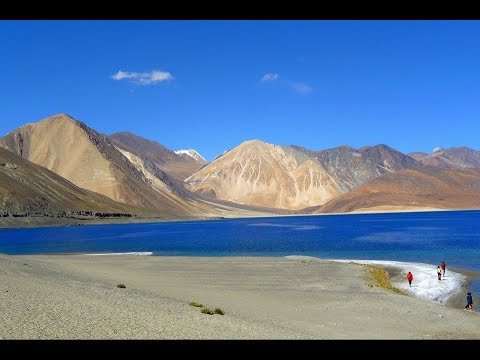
(254,178)
(451,158)
(27,189)
(293,177)
(178,166)
(262,174)
(91,161)
(418,155)
(352,168)
(428,188)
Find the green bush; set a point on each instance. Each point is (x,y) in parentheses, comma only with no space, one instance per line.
(121,286)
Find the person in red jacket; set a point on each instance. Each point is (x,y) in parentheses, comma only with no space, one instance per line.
(443,266)
(410,278)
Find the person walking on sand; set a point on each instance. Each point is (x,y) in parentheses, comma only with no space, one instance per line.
(443,266)
(439,272)
(410,278)
(469,302)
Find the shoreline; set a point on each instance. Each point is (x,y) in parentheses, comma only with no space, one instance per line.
(451,291)
(76,297)
(67,222)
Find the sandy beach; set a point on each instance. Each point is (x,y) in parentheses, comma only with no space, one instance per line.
(76,297)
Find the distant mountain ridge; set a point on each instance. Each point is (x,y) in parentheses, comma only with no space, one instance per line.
(451,158)
(94,162)
(91,160)
(411,189)
(176,165)
(250,179)
(352,167)
(293,177)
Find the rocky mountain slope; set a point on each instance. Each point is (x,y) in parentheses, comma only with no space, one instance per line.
(352,168)
(178,166)
(293,177)
(27,189)
(451,158)
(426,188)
(257,173)
(92,161)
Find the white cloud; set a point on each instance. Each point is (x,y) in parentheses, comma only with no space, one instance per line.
(300,87)
(145,78)
(269,77)
(436,149)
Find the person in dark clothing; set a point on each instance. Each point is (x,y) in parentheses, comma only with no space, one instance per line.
(443,266)
(469,301)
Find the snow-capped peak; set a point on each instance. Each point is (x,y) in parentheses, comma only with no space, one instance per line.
(193,154)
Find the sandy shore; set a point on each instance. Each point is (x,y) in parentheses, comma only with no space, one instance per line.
(75,296)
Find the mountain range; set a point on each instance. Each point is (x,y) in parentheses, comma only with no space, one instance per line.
(74,169)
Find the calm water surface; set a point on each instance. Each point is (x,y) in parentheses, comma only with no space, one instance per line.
(428,237)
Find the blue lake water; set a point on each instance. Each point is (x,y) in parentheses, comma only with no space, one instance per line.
(427,237)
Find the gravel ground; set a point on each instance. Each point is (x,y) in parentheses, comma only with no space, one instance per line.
(75,297)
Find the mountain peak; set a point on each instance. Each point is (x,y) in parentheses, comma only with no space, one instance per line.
(453,158)
(180,166)
(60,117)
(193,154)
(261,174)
(252,143)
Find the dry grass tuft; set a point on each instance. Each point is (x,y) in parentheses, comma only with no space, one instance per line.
(381,278)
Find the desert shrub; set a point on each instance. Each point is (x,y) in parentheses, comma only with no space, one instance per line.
(218,311)
(207,311)
(195,304)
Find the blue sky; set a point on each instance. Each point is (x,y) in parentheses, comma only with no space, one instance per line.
(210,85)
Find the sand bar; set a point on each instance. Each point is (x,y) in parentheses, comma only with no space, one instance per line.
(76,297)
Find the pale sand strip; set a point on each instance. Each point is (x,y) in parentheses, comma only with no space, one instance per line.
(426,284)
(75,296)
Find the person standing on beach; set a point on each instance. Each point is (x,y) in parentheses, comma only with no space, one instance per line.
(443,266)
(439,272)
(469,302)
(410,278)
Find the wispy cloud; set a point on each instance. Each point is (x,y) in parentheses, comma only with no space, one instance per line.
(144,78)
(269,77)
(296,86)
(301,87)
